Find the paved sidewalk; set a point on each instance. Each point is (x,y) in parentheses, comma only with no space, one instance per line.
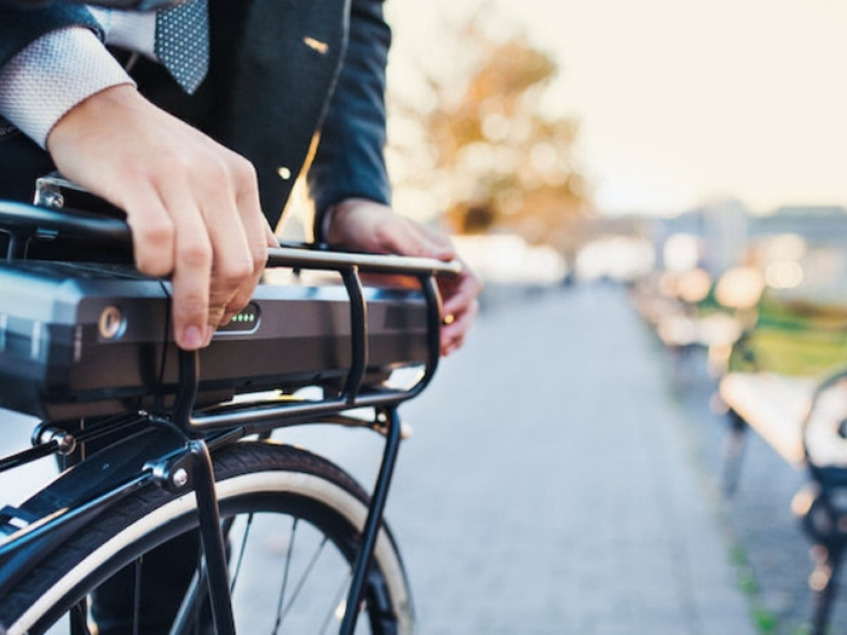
(550,486)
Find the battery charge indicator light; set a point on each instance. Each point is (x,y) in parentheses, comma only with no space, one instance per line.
(245,321)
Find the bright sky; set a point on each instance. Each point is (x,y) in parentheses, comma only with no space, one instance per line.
(681,102)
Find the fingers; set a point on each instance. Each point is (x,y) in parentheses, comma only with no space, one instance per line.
(368,226)
(191,280)
(458,292)
(258,237)
(152,232)
(453,334)
(218,248)
(192,204)
(418,240)
(459,308)
(164,243)
(439,243)
(399,235)
(373,227)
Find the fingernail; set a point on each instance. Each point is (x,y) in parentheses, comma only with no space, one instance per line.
(192,338)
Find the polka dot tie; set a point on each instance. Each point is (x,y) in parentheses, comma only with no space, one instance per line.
(182,42)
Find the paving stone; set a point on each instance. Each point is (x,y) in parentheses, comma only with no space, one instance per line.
(557,466)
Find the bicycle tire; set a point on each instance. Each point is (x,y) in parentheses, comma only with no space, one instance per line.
(251,478)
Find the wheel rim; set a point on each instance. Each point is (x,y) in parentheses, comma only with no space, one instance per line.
(327,540)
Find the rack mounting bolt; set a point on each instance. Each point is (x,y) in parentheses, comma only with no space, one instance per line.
(180,477)
(50,197)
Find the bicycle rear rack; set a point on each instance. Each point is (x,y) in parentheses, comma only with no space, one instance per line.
(25,223)
(349,266)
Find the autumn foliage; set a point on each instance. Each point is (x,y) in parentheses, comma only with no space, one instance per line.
(505,162)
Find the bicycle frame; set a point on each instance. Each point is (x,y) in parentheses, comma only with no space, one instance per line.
(172,449)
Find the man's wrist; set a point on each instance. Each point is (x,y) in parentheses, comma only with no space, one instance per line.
(335,213)
(325,224)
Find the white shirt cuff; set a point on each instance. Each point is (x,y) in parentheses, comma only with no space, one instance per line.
(52,75)
(131,30)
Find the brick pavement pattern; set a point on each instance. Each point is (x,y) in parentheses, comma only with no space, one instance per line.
(550,486)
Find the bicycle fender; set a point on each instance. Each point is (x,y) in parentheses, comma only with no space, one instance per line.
(34,528)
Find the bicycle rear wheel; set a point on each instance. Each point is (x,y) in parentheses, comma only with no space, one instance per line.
(294,525)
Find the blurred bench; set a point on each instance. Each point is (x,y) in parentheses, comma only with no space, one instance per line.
(681,321)
(715,332)
(773,405)
(802,418)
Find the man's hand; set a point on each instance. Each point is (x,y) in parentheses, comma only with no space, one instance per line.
(368,226)
(193,205)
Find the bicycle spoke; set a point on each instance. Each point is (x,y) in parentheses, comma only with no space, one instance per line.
(202,595)
(302,581)
(241,552)
(339,604)
(279,614)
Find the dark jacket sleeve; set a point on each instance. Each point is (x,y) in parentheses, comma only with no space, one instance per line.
(20,26)
(349,161)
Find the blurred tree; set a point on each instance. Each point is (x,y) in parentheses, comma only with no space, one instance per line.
(499,162)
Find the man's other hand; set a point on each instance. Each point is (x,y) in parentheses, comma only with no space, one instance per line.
(364,225)
(192,204)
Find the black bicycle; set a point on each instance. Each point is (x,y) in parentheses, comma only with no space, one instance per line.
(159,446)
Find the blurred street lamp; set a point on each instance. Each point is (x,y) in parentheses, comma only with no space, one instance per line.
(740,288)
(681,252)
(693,286)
